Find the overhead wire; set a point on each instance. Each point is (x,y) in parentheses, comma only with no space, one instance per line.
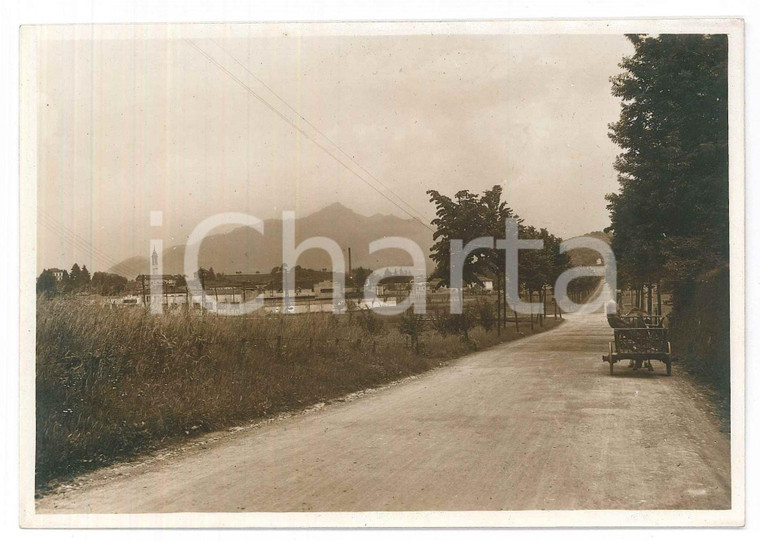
(295,126)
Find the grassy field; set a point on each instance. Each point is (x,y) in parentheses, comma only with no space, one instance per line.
(111,383)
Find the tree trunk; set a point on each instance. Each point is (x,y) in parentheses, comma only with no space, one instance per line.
(659,300)
(504,303)
(530,300)
(498,304)
(542,300)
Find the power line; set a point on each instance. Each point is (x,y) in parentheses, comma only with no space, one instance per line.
(102,257)
(66,237)
(315,128)
(298,128)
(53,222)
(77,245)
(77,241)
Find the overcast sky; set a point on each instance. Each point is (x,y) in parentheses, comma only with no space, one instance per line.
(127,126)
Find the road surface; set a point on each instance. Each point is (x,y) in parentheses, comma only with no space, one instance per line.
(534,424)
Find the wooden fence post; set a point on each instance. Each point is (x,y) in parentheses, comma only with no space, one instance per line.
(517,322)
(530,300)
(542,293)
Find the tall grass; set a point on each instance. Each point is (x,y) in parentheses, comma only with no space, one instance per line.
(114,382)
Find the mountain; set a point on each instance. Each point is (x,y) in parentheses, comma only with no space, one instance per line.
(131,267)
(245,250)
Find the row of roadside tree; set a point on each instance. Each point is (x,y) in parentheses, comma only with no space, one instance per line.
(670,218)
(78,279)
(468,216)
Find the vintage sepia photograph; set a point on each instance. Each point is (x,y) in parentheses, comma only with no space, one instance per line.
(482,273)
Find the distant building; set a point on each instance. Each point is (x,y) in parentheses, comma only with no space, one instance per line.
(323,289)
(57,273)
(168,280)
(397,284)
(250,280)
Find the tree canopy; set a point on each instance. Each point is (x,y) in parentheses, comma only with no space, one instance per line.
(46,283)
(469,216)
(107,283)
(670,217)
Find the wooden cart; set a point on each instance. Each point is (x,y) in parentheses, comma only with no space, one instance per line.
(643,321)
(640,345)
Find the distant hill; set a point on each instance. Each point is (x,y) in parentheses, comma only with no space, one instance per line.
(131,267)
(244,249)
(585,257)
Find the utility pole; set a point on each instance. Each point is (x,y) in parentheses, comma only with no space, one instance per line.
(349,264)
(203,290)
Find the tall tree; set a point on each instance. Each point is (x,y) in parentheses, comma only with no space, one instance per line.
(360,275)
(84,276)
(467,217)
(46,283)
(459,218)
(75,275)
(73,281)
(106,283)
(670,218)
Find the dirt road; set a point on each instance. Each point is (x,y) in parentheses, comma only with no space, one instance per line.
(533,424)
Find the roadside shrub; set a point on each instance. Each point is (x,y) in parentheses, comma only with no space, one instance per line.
(443,323)
(485,313)
(371,323)
(454,324)
(412,325)
(465,322)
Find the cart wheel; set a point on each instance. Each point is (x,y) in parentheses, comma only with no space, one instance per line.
(610,359)
(668,362)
